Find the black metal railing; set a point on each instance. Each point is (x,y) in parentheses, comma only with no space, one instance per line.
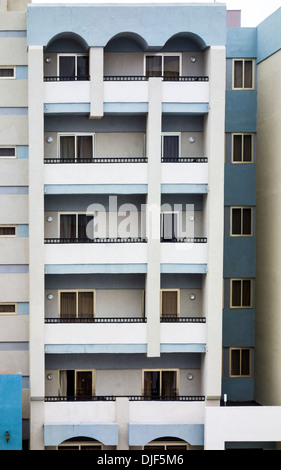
(56,241)
(130,398)
(97,160)
(96,320)
(117,78)
(184,240)
(67,78)
(184,160)
(174,319)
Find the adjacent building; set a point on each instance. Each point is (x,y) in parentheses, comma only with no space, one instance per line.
(129,142)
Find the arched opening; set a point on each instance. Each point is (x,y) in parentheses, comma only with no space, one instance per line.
(184,42)
(126,42)
(167,443)
(66,58)
(80,443)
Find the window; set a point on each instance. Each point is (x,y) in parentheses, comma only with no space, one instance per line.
(242,148)
(7,72)
(77,304)
(7,152)
(170,147)
(76,146)
(240,362)
(8,308)
(243,74)
(74,226)
(73,66)
(77,383)
(241,221)
(169,226)
(170,303)
(81,444)
(7,230)
(162,65)
(241,293)
(160,383)
(167,443)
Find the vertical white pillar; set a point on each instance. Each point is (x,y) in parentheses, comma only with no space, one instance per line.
(122,418)
(215,207)
(36,245)
(154,125)
(96,82)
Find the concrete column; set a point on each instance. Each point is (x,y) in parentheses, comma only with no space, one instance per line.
(213,286)
(96,80)
(122,418)
(154,125)
(36,246)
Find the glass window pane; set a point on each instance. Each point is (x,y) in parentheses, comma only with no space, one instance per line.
(235,362)
(83,384)
(83,229)
(68,226)
(7,231)
(85,304)
(68,304)
(169,383)
(246,294)
(82,66)
(67,146)
(151,383)
(6,73)
(67,66)
(84,146)
(248,74)
(171,66)
(154,66)
(7,152)
(236,293)
(247,151)
(170,147)
(8,308)
(169,304)
(237,148)
(236,222)
(245,362)
(169,226)
(247,221)
(238,73)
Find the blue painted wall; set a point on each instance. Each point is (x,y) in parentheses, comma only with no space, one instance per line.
(11,411)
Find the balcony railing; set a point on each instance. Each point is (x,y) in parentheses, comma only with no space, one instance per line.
(57,241)
(97,160)
(116,78)
(96,320)
(174,319)
(69,78)
(184,160)
(130,398)
(184,240)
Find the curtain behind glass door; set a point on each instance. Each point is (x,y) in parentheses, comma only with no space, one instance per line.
(68,226)
(67,66)
(171,66)
(154,66)
(82,67)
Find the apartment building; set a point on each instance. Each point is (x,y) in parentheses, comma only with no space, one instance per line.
(128,205)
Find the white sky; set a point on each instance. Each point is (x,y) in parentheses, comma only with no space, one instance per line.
(253,12)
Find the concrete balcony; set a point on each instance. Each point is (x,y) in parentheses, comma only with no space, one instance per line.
(190,252)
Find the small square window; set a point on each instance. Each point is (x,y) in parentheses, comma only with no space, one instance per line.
(240,362)
(242,148)
(241,293)
(241,221)
(8,308)
(7,231)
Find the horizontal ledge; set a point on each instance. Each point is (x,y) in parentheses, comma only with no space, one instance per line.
(121,348)
(96,189)
(96,268)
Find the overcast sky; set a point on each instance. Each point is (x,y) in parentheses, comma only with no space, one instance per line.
(253,12)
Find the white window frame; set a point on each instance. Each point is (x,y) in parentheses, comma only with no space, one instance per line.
(75,135)
(9,67)
(243,60)
(76,291)
(240,367)
(242,148)
(241,306)
(163,54)
(76,213)
(7,226)
(9,147)
(252,221)
(9,313)
(70,54)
